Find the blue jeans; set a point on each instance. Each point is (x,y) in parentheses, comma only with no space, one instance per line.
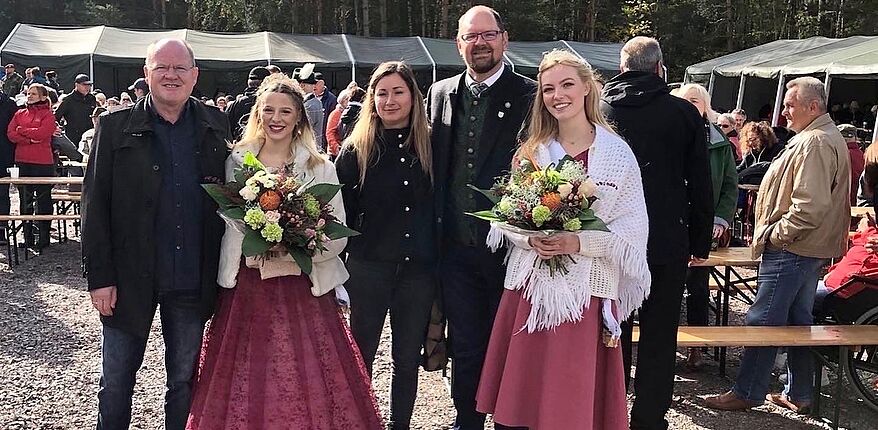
(785,297)
(122,355)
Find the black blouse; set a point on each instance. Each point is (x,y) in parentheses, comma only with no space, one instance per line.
(393,209)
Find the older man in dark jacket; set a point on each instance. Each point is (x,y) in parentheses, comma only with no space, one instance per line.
(76,108)
(151,236)
(667,136)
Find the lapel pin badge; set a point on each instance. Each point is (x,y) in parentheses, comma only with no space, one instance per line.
(500,114)
(508,105)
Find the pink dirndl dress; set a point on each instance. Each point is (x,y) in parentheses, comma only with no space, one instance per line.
(276,357)
(563,378)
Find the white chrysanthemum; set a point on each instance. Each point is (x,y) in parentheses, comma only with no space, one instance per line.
(248,193)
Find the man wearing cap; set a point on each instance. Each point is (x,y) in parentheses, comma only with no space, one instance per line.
(76,108)
(858,160)
(239,110)
(308,78)
(88,136)
(140,89)
(12,81)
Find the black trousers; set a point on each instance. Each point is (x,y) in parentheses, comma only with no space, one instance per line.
(698,298)
(472,285)
(36,200)
(407,291)
(656,350)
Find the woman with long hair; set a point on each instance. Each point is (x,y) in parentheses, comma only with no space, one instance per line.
(278,353)
(724,179)
(758,144)
(30,131)
(565,376)
(386,169)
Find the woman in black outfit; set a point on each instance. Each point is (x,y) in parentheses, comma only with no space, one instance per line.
(386,171)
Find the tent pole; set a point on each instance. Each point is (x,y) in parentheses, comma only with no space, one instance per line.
(710,83)
(430,56)
(778,99)
(826,83)
(741,91)
(267,48)
(874,129)
(573,50)
(511,64)
(9,37)
(347,47)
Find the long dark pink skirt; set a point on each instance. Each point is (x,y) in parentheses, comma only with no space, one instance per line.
(276,357)
(556,379)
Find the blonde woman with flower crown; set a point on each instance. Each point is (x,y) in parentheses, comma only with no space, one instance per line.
(548,365)
(278,353)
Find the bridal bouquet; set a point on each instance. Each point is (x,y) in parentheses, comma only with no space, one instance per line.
(541,202)
(277,209)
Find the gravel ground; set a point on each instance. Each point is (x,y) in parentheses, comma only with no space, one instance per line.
(50,357)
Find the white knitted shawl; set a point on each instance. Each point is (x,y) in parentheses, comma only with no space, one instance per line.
(610,265)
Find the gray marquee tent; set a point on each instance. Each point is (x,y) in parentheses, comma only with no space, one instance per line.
(113,57)
(755,78)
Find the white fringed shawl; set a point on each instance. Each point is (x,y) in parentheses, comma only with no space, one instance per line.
(610,265)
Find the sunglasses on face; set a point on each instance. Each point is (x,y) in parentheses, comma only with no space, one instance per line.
(725,126)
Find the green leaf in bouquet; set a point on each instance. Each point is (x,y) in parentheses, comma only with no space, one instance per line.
(241,176)
(486,216)
(323,192)
(250,161)
(336,230)
(254,244)
(591,222)
(222,196)
(302,259)
(487,193)
(234,213)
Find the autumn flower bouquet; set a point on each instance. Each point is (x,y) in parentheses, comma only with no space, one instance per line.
(276,209)
(535,201)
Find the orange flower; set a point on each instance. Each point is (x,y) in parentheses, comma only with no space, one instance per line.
(551,200)
(269,200)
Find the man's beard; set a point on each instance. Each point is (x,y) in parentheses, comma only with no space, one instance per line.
(484,66)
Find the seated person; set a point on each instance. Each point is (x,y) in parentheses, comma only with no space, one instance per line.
(860,260)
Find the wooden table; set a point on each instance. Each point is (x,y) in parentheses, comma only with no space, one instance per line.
(748,187)
(39,180)
(731,282)
(861,211)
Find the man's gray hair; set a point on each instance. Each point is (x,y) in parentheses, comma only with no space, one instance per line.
(641,54)
(810,90)
(150,50)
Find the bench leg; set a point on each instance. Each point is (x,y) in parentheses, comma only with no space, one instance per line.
(839,375)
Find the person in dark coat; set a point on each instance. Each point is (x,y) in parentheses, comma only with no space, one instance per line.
(328,100)
(475,118)
(667,136)
(76,108)
(7,156)
(150,233)
(238,111)
(351,113)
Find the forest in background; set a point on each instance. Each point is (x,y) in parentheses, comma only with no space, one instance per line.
(689,30)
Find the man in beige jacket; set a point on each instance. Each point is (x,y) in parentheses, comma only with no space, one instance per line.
(802,219)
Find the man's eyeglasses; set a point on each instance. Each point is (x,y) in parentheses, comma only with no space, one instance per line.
(725,126)
(163,69)
(488,36)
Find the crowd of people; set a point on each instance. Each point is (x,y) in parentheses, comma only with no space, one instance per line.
(279,353)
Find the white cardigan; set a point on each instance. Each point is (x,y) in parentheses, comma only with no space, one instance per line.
(610,265)
(328,271)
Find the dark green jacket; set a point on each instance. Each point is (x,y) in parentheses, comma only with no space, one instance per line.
(723,175)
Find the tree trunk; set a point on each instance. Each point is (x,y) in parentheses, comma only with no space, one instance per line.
(730,28)
(590,20)
(319,29)
(366,18)
(293,15)
(382,15)
(424,18)
(443,16)
(408,9)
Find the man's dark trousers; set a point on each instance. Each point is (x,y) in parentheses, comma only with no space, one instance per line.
(182,330)
(657,347)
(472,285)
